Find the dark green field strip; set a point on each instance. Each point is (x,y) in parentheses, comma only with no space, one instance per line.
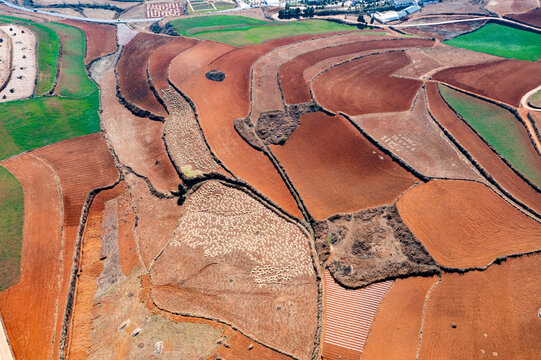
(500,128)
(11,228)
(189,26)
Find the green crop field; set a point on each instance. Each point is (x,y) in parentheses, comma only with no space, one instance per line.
(247,35)
(501,40)
(73,80)
(499,128)
(11,228)
(47,53)
(190,26)
(32,123)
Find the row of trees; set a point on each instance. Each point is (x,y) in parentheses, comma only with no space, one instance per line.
(289,13)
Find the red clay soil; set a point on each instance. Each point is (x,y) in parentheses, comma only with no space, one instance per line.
(294,86)
(396,329)
(162,57)
(366,85)
(414,137)
(503,80)
(136,141)
(465,224)
(100,38)
(28,308)
(81,164)
(132,72)
(335,169)
(486,158)
(485,314)
(445,31)
(532,17)
(219,103)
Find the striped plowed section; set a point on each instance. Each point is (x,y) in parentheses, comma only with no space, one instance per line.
(349,315)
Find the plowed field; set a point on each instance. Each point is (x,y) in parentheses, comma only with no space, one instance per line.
(366,85)
(465,224)
(100,38)
(532,17)
(327,160)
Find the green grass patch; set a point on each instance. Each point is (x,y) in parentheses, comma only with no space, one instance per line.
(499,128)
(47,53)
(73,80)
(535,99)
(190,26)
(501,40)
(11,228)
(31,123)
(240,35)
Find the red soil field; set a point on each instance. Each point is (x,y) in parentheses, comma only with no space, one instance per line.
(28,308)
(161,58)
(495,313)
(335,169)
(137,141)
(532,17)
(349,315)
(219,103)
(294,85)
(100,38)
(415,138)
(132,72)
(366,85)
(465,224)
(487,159)
(509,79)
(396,329)
(421,65)
(81,164)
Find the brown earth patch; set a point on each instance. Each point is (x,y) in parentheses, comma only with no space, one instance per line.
(421,65)
(450,56)
(509,79)
(326,158)
(5,58)
(514,6)
(465,224)
(396,329)
(494,313)
(531,17)
(369,246)
(445,31)
(478,150)
(366,85)
(100,38)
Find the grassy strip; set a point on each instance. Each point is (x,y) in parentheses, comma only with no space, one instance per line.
(501,40)
(47,53)
(73,80)
(248,35)
(189,26)
(36,122)
(11,228)
(499,128)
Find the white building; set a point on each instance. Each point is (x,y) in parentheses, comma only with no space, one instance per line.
(387,16)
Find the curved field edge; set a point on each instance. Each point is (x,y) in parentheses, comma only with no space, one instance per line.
(501,40)
(500,129)
(197,24)
(48,50)
(11,228)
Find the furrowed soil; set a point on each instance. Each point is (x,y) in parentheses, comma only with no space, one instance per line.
(512,7)
(366,85)
(465,224)
(509,79)
(100,38)
(494,313)
(293,83)
(532,17)
(326,158)
(137,141)
(396,328)
(415,138)
(486,158)
(132,72)
(445,31)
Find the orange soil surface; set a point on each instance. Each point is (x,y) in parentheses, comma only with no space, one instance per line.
(465,224)
(294,86)
(100,38)
(495,313)
(28,308)
(532,17)
(81,164)
(509,79)
(487,159)
(366,85)
(396,329)
(132,72)
(161,58)
(335,169)
(219,103)
(137,141)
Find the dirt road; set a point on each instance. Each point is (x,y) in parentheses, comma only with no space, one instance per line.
(5,349)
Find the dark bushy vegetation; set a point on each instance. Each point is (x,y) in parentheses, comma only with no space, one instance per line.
(168,29)
(295,13)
